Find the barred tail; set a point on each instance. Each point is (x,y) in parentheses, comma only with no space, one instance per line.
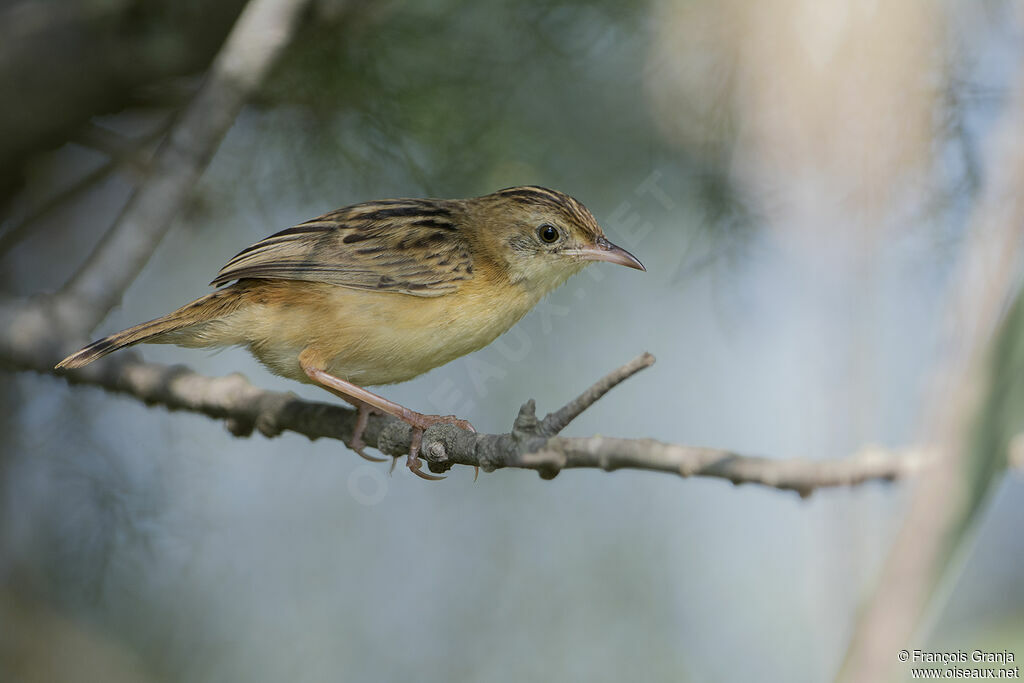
(202,310)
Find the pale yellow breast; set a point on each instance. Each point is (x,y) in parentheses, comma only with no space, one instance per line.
(370,337)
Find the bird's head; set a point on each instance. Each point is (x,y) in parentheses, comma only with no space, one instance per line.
(541,236)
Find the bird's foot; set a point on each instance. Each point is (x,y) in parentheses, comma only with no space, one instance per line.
(419,423)
(367,401)
(356,443)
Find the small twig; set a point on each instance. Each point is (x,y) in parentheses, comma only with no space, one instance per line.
(556,421)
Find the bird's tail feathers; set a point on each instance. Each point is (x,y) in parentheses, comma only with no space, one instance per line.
(162,330)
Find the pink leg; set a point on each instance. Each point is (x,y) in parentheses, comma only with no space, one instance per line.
(363,412)
(361,397)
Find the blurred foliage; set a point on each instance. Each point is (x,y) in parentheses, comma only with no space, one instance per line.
(456,98)
(455,89)
(1000,417)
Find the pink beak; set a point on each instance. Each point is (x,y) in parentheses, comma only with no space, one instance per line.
(603,250)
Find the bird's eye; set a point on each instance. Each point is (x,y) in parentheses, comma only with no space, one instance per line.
(547,233)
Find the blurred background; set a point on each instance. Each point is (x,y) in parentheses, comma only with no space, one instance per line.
(797,176)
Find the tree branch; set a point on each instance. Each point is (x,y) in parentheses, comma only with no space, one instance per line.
(793,474)
(34,327)
(246,408)
(258,37)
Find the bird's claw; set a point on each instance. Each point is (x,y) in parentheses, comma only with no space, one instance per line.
(356,443)
(361,452)
(413,461)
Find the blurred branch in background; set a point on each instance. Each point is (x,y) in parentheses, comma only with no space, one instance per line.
(69,61)
(976,417)
(128,153)
(262,31)
(61,65)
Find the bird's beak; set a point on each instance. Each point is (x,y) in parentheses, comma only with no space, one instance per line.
(603,250)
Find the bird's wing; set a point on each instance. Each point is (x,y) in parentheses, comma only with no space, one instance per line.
(408,246)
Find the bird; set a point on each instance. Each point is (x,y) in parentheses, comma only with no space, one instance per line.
(380,292)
